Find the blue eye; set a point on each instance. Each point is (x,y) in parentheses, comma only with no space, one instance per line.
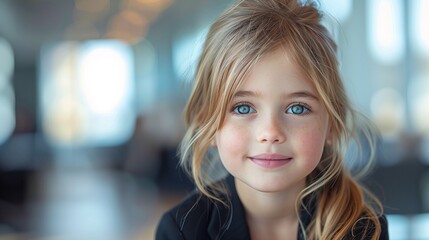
(297,109)
(243,109)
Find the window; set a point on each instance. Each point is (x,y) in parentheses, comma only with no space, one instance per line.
(87,93)
(7,103)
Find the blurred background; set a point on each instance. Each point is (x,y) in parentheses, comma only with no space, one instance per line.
(91,95)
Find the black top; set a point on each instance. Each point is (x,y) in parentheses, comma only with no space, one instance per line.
(199,217)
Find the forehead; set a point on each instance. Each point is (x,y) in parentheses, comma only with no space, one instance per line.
(277,71)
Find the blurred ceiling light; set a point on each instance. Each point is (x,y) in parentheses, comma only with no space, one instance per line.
(150,9)
(127,26)
(419,13)
(386,36)
(388,109)
(133,18)
(93,6)
(419,104)
(157,4)
(339,9)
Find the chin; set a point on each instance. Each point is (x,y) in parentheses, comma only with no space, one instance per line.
(268,187)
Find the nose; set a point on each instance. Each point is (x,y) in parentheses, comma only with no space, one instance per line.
(271,131)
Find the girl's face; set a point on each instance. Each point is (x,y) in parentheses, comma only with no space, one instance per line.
(275,130)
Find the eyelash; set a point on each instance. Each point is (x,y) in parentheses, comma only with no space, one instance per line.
(306,106)
(239,105)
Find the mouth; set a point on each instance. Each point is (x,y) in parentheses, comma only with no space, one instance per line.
(270,160)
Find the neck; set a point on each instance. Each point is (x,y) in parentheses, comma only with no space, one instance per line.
(270,213)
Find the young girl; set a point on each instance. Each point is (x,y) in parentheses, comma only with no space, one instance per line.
(269,100)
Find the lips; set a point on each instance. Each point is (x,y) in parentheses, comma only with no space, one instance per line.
(270,160)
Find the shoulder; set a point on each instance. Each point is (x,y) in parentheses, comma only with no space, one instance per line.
(200,217)
(187,220)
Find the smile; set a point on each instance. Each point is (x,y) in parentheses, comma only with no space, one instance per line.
(270,160)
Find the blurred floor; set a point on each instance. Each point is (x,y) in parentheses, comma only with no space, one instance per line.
(88,204)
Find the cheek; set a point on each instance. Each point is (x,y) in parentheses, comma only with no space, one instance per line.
(231,142)
(311,146)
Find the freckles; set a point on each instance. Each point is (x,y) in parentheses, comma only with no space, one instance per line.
(232,141)
(238,140)
(231,146)
(311,144)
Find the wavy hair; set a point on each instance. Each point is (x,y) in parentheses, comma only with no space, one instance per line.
(244,33)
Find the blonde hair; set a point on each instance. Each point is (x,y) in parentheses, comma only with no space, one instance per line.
(236,41)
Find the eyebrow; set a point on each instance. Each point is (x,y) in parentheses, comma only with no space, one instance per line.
(304,94)
(246,94)
(299,94)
